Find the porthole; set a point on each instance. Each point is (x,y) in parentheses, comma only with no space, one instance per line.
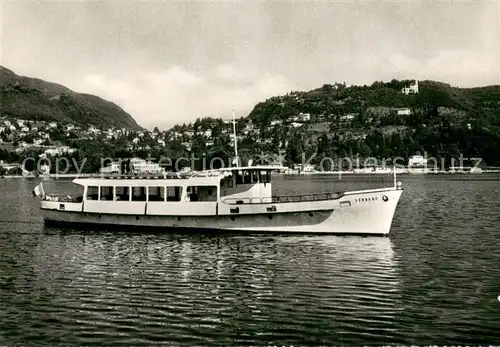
(310,214)
(136,217)
(385,198)
(178,218)
(270,216)
(232,218)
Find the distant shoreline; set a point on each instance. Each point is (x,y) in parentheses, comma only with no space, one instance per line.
(350,173)
(309,173)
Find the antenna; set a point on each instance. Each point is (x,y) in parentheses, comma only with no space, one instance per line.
(395,177)
(235,142)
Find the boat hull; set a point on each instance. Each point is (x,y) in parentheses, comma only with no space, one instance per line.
(364,213)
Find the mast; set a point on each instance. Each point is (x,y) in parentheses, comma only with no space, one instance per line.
(395,178)
(236,158)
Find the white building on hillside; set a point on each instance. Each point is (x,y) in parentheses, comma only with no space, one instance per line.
(404,112)
(53,151)
(111,168)
(139,165)
(412,89)
(304,117)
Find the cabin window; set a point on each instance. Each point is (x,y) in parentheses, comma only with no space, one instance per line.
(239,177)
(106,194)
(174,193)
(230,182)
(265,177)
(138,193)
(156,194)
(122,193)
(255,176)
(92,193)
(202,193)
(247,177)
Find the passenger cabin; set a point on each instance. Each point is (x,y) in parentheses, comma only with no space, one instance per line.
(204,191)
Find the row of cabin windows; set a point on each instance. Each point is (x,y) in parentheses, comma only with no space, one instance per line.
(110,193)
(134,194)
(249,177)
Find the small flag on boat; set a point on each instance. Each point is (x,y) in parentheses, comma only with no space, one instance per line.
(38,190)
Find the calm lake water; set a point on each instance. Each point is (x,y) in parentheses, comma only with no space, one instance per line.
(434,280)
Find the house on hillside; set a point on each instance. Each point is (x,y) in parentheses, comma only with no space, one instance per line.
(53,150)
(404,112)
(304,117)
(347,117)
(412,89)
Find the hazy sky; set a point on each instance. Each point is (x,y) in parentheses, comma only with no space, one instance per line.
(172,62)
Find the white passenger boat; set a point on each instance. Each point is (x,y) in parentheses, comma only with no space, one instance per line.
(236,198)
(228,199)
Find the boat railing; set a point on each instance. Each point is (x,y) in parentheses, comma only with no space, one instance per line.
(166,175)
(208,173)
(139,175)
(284,198)
(63,198)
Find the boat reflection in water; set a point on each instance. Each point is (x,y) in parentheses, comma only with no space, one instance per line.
(197,286)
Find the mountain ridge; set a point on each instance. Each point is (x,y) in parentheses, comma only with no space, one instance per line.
(34,98)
